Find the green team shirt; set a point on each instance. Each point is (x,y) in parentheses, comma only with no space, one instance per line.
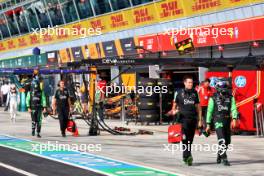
(43,99)
(210,110)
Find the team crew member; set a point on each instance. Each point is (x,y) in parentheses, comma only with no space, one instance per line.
(36,101)
(100,96)
(186,103)
(221,106)
(4,92)
(84,97)
(62,104)
(13,101)
(205,92)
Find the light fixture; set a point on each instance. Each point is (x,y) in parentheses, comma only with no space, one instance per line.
(255,44)
(220,48)
(140,55)
(164,53)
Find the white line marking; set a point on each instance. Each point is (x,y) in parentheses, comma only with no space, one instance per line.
(16,169)
(83,167)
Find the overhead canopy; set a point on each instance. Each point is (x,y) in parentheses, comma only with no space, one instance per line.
(19,71)
(194,62)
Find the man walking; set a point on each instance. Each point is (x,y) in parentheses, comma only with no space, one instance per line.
(4,92)
(13,101)
(62,104)
(221,106)
(186,103)
(204,92)
(36,102)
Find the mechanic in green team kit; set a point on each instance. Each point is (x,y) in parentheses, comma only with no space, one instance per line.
(36,102)
(221,107)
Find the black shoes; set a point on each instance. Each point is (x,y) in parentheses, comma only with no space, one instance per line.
(63,134)
(188,161)
(226,162)
(33,134)
(218,159)
(222,160)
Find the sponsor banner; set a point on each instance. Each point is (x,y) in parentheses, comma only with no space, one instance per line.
(145,15)
(167,41)
(47,36)
(83,160)
(219,34)
(100,50)
(93,51)
(65,55)
(228,33)
(109,48)
(119,48)
(171,9)
(128,46)
(126,19)
(86,52)
(149,42)
(204,6)
(77,53)
(52,58)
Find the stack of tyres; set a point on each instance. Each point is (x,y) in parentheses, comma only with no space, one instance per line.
(166,98)
(147,102)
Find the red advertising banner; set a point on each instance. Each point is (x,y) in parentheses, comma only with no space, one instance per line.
(150,43)
(219,34)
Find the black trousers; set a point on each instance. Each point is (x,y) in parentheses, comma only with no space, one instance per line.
(204,114)
(223,132)
(100,110)
(63,115)
(36,117)
(4,99)
(4,102)
(188,128)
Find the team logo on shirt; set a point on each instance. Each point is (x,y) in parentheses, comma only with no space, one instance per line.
(187,102)
(62,97)
(35,98)
(222,108)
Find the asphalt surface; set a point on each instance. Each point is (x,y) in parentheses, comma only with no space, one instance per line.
(246,158)
(7,172)
(37,165)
